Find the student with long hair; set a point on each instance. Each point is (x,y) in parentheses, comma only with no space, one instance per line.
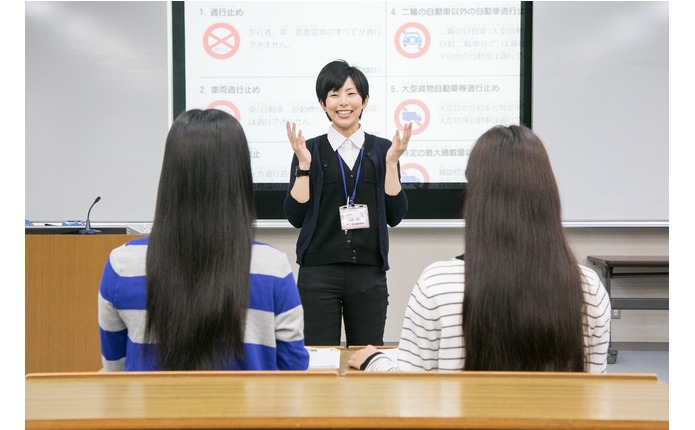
(528,304)
(199,293)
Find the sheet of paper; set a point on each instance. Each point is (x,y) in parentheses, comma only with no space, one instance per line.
(323,358)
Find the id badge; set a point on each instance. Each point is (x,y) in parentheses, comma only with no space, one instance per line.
(354,217)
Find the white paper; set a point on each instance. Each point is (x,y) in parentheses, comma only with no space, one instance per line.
(323,358)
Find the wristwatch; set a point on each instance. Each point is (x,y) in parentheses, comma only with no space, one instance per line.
(299,172)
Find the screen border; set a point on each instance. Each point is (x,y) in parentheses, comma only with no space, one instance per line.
(436,201)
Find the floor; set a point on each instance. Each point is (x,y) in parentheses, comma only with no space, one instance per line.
(634,357)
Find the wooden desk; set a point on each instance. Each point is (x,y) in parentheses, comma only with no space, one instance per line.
(196,400)
(621,266)
(62,276)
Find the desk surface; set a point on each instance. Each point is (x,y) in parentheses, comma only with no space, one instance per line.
(630,260)
(169,400)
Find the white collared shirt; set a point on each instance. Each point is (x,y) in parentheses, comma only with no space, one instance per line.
(348,148)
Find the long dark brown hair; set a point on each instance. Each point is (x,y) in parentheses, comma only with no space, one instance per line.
(199,253)
(523,301)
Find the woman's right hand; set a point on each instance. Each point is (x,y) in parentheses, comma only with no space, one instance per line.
(360,356)
(299,146)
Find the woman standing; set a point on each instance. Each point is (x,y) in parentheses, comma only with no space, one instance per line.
(344,192)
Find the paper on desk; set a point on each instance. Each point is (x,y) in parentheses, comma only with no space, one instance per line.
(138,228)
(324,358)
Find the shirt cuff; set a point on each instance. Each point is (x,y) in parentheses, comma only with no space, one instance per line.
(368,360)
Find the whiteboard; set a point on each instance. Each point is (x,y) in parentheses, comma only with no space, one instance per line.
(600,104)
(98,108)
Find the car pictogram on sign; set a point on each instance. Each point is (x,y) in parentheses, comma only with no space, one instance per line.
(412,38)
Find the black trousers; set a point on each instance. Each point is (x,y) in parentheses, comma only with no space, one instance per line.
(354,293)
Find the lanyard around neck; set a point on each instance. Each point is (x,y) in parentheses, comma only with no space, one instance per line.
(350,200)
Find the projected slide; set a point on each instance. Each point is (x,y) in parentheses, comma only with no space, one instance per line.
(453,69)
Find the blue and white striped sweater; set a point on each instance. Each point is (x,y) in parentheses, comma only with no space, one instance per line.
(274,337)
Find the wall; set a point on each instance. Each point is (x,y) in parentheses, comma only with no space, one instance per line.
(68,116)
(97,94)
(585,95)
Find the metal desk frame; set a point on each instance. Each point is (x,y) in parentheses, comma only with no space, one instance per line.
(606,267)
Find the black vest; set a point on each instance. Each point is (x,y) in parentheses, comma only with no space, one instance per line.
(330,244)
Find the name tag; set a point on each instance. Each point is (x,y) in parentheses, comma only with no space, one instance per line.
(354,217)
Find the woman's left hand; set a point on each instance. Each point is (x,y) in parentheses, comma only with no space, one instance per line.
(399,144)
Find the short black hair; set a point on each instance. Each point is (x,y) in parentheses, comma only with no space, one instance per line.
(333,76)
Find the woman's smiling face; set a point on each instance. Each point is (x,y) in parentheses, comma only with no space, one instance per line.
(344,107)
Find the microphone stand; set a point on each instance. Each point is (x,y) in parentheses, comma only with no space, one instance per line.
(88,225)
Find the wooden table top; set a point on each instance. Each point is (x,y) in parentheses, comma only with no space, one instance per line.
(323,399)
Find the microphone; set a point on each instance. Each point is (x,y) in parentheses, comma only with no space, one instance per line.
(88,225)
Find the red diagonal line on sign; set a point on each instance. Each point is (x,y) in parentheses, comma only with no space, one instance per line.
(219,40)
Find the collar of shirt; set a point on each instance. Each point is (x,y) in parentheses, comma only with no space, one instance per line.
(336,139)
